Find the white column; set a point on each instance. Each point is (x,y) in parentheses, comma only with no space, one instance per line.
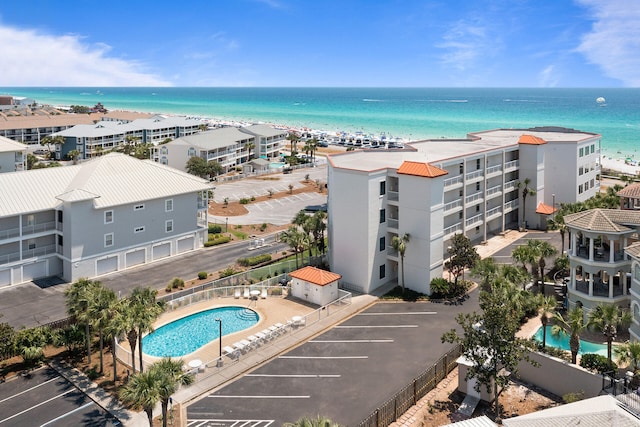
(590,284)
(612,247)
(573,244)
(591,248)
(610,287)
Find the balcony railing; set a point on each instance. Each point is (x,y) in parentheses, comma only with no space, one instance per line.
(473,197)
(494,190)
(38,228)
(599,289)
(453,181)
(452,205)
(452,229)
(508,186)
(494,211)
(391,251)
(494,169)
(473,220)
(511,165)
(475,174)
(392,223)
(598,256)
(9,233)
(392,196)
(509,206)
(29,253)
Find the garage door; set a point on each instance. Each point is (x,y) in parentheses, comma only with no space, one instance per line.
(107,265)
(34,271)
(5,277)
(185,245)
(135,258)
(162,251)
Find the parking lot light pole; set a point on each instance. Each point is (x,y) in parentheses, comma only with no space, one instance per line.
(226,225)
(219,363)
(553,213)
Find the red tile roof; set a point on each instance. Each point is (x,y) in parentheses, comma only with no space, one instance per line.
(421,169)
(531,140)
(631,191)
(315,275)
(545,209)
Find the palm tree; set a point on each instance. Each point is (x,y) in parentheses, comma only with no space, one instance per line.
(514,275)
(78,299)
(547,306)
(573,325)
(293,139)
(141,392)
(607,318)
(249,146)
(294,238)
(629,352)
(488,270)
(400,244)
(524,255)
(541,249)
(119,324)
(169,376)
(146,310)
(50,140)
(318,226)
(526,191)
(73,155)
(100,308)
(319,421)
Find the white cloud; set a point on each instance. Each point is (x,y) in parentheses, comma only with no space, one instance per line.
(548,77)
(37,59)
(614,40)
(466,44)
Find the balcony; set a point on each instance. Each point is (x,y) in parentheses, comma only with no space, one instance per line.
(392,252)
(38,228)
(475,175)
(9,233)
(474,199)
(510,206)
(452,229)
(510,186)
(456,181)
(493,170)
(599,289)
(512,165)
(30,253)
(599,255)
(494,191)
(494,213)
(474,220)
(455,205)
(392,223)
(392,196)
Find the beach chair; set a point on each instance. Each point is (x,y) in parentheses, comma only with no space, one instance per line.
(281,328)
(231,353)
(240,347)
(236,294)
(247,345)
(268,335)
(262,337)
(246,294)
(263,294)
(254,340)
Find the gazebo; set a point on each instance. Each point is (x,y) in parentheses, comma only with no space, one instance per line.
(314,285)
(630,197)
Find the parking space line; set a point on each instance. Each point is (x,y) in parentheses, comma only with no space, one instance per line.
(198,422)
(323,357)
(402,313)
(35,406)
(374,326)
(295,375)
(29,389)
(351,341)
(260,397)
(67,414)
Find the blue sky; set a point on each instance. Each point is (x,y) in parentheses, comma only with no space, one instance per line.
(323,43)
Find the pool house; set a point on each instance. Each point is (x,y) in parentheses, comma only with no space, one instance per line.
(600,269)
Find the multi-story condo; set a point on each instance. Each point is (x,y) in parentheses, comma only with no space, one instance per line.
(633,251)
(104,215)
(434,189)
(96,139)
(13,155)
(599,269)
(228,146)
(30,129)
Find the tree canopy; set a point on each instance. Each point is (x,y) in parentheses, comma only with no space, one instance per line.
(462,255)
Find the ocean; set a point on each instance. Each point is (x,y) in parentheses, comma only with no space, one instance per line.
(414,113)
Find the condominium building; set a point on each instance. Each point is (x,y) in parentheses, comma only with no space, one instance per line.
(92,140)
(633,251)
(108,214)
(229,146)
(434,189)
(13,155)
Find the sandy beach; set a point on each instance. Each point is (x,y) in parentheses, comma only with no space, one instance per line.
(619,165)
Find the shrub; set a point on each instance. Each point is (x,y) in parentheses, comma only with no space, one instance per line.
(215,229)
(573,397)
(202,275)
(263,226)
(244,201)
(168,288)
(253,198)
(254,260)
(177,283)
(217,241)
(229,271)
(275,291)
(439,287)
(597,363)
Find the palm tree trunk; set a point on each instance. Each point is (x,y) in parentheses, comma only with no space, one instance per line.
(87,331)
(115,360)
(402,273)
(574,345)
(101,350)
(544,334)
(149,412)
(165,404)
(140,349)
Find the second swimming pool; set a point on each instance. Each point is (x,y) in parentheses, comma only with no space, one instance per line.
(188,334)
(562,341)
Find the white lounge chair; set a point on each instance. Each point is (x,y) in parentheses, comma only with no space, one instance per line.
(240,347)
(262,337)
(247,345)
(231,353)
(263,294)
(254,340)
(236,294)
(246,293)
(267,334)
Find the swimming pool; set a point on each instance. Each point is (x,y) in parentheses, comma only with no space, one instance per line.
(562,341)
(276,165)
(188,334)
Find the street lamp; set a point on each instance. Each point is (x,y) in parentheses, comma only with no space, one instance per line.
(226,225)
(219,363)
(553,200)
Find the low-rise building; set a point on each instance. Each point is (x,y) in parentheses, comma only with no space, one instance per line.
(434,189)
(13,155)
(108,214)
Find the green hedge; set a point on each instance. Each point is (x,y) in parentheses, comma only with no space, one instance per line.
(218,241)
(215,229)
(597,363)
(255,260)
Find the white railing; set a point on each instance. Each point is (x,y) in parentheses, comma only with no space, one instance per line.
(38,228)
(473,198)
(475,174)
(508,186)
(493,211)
(494,169)
(453,181)
(493,190)
(392,196)
(513,204)
(43,250)
(392,223)
(452,205)
(9,233)
(453,229)
(512,164)
(473,220)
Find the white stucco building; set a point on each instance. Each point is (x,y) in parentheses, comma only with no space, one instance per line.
(434,189)
(13,155)
(314,285)
(108,214)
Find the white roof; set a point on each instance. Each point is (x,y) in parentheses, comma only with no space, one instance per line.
(264,130)
(111,180)
(8,145)
(443,150)
(212,139)
(481,421)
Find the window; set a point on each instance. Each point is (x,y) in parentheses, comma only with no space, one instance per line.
(593,148)
(580,171)
(383,271)
(460,215)
(461,167)
(108,217)
(477,164)
(31,244)
(168,226)
(461,193)
(637,272)
(477,186)
(477,229)
(593,183)
(383,215)
(580,189)
(383,188)
(477,208)
(108,240)
(138,207)
(60,240)
(168,205)
(581,152)
(60,216)
(138,229)
(383,243)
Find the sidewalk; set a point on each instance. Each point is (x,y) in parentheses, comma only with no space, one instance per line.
(99,395)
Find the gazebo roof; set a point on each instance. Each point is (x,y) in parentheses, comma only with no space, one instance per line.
(315,275)
(630,191)
(604,220)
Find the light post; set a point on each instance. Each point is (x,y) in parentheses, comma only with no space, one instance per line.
(449,251)
(219,362)
(226,225)
(553,201)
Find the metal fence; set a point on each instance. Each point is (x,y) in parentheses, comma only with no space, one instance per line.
(410,394)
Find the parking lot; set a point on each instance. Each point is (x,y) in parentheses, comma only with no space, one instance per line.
(44,398)
(343,374)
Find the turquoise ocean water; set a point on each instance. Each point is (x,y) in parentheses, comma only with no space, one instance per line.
(413,113)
